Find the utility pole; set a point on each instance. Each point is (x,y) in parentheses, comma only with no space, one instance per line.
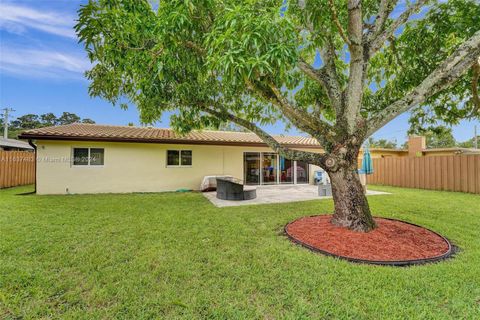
(5,121)
(475,137)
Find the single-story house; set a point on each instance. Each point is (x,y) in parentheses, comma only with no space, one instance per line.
(90,158)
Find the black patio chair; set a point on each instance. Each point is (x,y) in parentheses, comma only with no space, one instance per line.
(233,189)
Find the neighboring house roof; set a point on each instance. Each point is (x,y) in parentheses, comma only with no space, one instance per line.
(94,132)
(454,150)
(12,143)
(386,150)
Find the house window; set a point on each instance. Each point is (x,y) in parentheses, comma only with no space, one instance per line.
(80,156)
(88,156)
(178,158)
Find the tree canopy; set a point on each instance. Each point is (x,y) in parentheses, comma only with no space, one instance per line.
(260,61)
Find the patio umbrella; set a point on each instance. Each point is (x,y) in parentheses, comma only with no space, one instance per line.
(367,164)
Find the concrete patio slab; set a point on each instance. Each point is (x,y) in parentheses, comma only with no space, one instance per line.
(278,194)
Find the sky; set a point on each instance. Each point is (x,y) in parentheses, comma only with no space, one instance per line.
(42,66)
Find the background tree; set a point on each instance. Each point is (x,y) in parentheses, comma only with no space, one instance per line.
(12,133)
(88,120)
(49,119)
(469,143)
(438,136)
(68,118)
(28,121)
(33,121)
(337,70)
(382,143)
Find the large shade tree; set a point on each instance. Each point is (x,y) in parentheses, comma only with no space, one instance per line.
(337,70)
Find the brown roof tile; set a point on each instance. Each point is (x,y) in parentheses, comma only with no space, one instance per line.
(89,132)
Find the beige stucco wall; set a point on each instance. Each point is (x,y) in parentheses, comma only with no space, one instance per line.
(375,153)
(133,167)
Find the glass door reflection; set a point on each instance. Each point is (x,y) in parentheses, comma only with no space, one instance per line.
(286,170)
(252,167)
(269,168)
(302,172)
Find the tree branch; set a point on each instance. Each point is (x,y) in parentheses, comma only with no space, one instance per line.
(337,22)
(443,76)
(395,52)
(194,46)
(386,7)
(328,57)
(321,77)
(377,42)
(292,154)
(357,70)
(475,84)
(318,129)
(301,119)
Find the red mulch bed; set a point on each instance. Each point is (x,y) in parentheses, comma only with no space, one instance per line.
(392,240)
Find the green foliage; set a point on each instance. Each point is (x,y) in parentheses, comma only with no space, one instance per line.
(28,121)
(382,143)
(175,256)
(415,53)
(470,143)
(68,118)
(436,136)
(33,121)
(48,119)
(229,126)
(12,133)
(180,58)
(253,41)
(88,120)
(185,56)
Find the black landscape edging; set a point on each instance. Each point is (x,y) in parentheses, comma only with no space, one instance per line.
(452,249)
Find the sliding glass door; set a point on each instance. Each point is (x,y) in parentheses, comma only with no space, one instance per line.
(302,172)
(286,170)
(270,168)
(251,165)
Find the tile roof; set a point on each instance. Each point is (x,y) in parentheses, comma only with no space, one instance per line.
(13,143)
(89,132)
(453,150)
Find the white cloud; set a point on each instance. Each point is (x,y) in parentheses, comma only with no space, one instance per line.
(42,63)
(17,19)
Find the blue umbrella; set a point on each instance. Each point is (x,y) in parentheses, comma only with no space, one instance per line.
(367,164)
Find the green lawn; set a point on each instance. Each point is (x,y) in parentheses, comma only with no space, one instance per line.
(174,255)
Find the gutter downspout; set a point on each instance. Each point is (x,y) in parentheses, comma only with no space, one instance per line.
(35,160)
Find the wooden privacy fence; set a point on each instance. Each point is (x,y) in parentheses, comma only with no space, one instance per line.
(17,168)
(451,173)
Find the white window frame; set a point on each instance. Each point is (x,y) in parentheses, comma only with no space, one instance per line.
(72,163)
(179,165)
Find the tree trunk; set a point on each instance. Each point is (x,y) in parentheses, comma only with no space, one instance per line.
(351,205)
